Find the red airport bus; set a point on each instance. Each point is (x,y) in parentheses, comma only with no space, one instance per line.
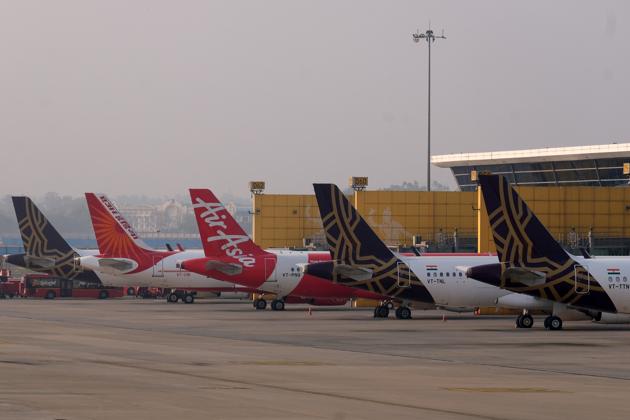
(48,287)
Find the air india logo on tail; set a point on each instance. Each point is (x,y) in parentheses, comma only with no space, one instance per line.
(215,221)
(119,217)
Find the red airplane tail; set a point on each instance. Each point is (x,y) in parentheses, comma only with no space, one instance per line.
(221,235)
(114,235)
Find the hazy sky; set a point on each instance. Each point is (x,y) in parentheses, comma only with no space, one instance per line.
(152,97)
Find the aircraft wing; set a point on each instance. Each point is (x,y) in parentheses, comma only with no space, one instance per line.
(523,275)
(231,269)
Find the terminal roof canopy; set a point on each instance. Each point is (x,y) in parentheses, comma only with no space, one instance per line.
(598,165)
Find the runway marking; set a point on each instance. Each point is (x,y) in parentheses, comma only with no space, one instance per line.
(280,363)
(505,389)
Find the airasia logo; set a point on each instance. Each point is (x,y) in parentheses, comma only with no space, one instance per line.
(119,217)
(215,222)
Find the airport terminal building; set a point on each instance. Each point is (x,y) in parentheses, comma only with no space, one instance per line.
(594,166)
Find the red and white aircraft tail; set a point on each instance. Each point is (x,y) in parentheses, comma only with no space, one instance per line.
(119,245)
(221,235)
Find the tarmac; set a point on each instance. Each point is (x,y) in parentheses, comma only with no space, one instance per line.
(146,359)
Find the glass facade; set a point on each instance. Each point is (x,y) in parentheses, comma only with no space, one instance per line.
(586,172)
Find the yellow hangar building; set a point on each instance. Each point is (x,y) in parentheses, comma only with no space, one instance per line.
(578,192)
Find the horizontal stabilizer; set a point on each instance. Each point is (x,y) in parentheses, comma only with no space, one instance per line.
(353,272)
(524,276)
(116,265)
(231,269)
(39,262)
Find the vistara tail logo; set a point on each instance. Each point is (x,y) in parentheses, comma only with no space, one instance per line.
(216,222)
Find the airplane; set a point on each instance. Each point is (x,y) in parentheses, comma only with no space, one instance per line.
(129,261)
(360,259)
(45,250)
(231,255)
(531,262)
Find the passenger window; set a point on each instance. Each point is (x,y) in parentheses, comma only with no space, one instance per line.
(460,274)
(434,274)
(441,274)
(609,278)
(625,279)
(617,279)
(448,274)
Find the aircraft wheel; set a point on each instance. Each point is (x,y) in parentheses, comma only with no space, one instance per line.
(277,305)
(526,321)
(103,294)
(555,323)
(381,311)
(189,298)
(172,298)
(518,321)
(260,304)
(403,312)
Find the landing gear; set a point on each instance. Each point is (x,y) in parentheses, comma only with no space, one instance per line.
(172,298)
(277,305)
(381,311)
(260,304)
(553,323)
(189,298)
(524,321)
(403,312)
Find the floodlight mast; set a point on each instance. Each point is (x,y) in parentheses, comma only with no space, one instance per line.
(430,37)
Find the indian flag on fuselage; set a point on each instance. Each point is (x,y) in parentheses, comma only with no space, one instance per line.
(431,267)
(614,272)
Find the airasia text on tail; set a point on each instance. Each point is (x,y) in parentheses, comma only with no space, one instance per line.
(215,222)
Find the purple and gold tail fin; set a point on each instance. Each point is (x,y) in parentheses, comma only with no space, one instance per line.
(532,261)
(360,259)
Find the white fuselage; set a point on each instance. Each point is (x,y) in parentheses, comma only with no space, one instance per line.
(288,273)
(445,278)
(613,275)
(164,274)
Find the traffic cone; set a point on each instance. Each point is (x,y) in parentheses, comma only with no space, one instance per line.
(443,317)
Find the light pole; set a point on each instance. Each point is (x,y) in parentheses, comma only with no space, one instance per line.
(430,38)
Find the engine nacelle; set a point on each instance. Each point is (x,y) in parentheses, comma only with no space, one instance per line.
(519,301)
(608,318)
